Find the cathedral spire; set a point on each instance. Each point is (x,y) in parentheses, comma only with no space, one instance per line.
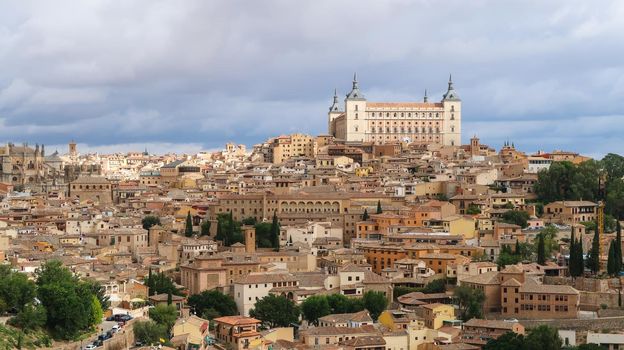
(426,99)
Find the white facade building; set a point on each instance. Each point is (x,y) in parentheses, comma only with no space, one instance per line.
(383,122)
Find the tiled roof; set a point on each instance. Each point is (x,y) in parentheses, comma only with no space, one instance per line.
(236,320)
(484,278)
(495,324)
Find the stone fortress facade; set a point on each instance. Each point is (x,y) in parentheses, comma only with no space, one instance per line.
(360,120)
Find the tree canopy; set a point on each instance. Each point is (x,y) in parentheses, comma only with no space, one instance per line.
(375,303)
(568,181)
(275,311)
(149,332)
(149,221)
(314,307)
(72,307)
(210,304)
(164,315)
(541,337)
(188,227)
(516,217)
(470,302)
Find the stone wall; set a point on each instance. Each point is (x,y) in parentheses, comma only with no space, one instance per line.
(598,324)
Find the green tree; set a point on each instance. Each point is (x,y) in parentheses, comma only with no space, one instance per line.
(71,305)
(275,232)
(251,221)
(473,209)
(544,338)
(30,318)
(96,312)
(580,257)
(16,290)
(341,304)
(365,216)
(516,217)
(212,303)
(275,311)
(164,315)
(379,209)
(315,307)
(572,261)
(435,286)
(149,221)
(161,284)
(593,262)
(541,250)
(263,235)
(618,246)
(188,228)
(52,272)
(507,341)
(469,301)
(612,267)
(204,229)
(149,332)
(375,303)
(169,298)
(100,292)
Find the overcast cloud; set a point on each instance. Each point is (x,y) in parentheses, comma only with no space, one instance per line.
(185,75)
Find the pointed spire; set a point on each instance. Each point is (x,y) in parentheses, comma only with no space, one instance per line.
(355,90)
(335,106)
(450,92)
(426,99)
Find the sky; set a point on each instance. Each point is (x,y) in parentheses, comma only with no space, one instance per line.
(188,75)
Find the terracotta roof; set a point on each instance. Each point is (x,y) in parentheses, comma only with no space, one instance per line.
(531,286)
(365,341)
(495,324)
(484,278)
(237,320)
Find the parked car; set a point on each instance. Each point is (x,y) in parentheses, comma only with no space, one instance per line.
(90,347)
(116,328)
(119,317)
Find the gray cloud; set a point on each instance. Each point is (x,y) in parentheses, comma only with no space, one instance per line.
(111,73)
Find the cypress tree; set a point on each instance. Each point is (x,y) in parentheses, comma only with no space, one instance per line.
(169,298)
(517,252)
(618,246)
(580,259)
(365,215)
(594,258)
(188,231)
(150,283)
(572,261)
(611,264)
(275,232)
(379,210)
(541,250)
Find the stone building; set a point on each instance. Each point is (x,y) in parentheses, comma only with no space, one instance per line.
(384,122)
(94,188)
(22,165)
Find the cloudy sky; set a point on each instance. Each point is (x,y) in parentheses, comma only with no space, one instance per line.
(189,75)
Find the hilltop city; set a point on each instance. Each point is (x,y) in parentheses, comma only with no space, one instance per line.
(385,233)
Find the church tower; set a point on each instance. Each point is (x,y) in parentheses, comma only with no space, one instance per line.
(334,112)
(355,113)
(452,116)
